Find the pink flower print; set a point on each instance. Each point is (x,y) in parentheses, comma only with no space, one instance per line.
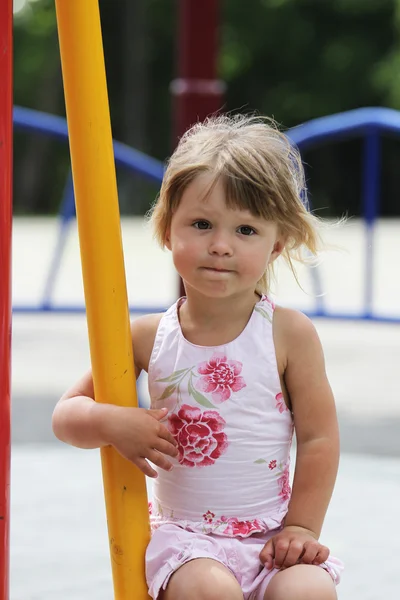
(200,438)
(150,508)
(209,516)
(280,403)
(284,484)
(220,377)
(240,528)
(272,465)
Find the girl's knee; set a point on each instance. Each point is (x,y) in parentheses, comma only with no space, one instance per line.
(301,582)
(202,579)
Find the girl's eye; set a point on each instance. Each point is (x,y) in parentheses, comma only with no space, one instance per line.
(201,224)
(246,230)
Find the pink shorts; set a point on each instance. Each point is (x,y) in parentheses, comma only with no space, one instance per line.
(171,547)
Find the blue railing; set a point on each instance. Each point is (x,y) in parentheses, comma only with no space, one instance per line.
(368,123)
(29,120)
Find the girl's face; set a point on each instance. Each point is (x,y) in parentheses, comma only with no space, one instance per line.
(219,251)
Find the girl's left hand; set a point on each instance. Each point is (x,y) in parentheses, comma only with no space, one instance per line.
(291,546)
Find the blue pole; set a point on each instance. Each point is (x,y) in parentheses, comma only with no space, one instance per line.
(67,213)
(371,180)
(314,271)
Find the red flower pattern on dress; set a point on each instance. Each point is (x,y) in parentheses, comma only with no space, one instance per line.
(220,377)
(284,484)
(209,516)
(241,528)
(280,403)
(272,465)
(200,436)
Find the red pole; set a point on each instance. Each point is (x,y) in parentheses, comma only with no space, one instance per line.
(5,285)
(197,92)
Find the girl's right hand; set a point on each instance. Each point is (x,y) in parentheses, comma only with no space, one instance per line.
(138,435)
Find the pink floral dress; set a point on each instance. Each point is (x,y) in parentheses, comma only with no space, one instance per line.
(234,431)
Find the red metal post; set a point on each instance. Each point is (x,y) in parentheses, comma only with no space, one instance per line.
(5,285)
(197,92)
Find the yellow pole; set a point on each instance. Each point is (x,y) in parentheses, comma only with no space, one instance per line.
(104,278)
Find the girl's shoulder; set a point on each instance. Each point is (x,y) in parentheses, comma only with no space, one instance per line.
(292,322)
(144,330)
(292,331)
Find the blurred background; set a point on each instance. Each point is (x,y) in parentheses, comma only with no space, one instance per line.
(294,60)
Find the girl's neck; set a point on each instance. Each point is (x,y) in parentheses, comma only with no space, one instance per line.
(215,321)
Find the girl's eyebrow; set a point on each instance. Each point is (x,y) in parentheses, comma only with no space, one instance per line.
(205,208)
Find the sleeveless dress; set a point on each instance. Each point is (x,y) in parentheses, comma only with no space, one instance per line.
(230,481)
(234,431)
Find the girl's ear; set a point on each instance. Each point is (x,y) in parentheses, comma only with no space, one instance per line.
(167,239)
(279,246)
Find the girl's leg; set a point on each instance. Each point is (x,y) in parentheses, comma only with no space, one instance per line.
(202,579)
(301,582)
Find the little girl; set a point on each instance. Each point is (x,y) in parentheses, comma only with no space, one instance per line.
(231,377)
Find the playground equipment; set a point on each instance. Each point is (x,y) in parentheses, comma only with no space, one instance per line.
(103,270)
(369,122)
(5,284)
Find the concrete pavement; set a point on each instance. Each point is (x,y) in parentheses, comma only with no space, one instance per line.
(59,546)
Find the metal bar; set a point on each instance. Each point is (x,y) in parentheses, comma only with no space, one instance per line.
(6,65)
(197,92)
(103,270)
(67,213)
(27,119)
(371,177)
(314,271)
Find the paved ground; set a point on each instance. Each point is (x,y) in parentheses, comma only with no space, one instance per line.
(59,541)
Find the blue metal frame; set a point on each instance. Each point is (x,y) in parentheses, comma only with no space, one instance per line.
(366,122)
(29,120)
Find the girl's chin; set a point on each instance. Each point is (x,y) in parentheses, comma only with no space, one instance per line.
(210,290)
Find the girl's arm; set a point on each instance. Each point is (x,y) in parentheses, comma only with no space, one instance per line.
(316,425)
(302,367)
(79,420)
(136,433)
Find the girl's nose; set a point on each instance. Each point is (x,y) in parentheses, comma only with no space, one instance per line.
(220,246)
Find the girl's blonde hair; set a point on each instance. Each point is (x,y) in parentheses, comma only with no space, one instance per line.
(261,172)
